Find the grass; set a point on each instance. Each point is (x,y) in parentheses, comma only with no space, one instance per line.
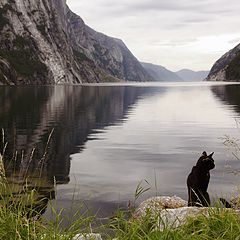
(22,204)
(220,224)
(20,214)
(17,223)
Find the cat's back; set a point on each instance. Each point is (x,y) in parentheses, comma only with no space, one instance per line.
(191,179)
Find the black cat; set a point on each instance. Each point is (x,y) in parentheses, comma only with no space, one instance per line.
(198,180)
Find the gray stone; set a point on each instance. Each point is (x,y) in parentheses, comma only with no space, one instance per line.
(90,236)
(154,204)
(171,212)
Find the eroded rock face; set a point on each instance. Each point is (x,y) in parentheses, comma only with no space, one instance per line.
(44,42)
(32,37)
(227,68)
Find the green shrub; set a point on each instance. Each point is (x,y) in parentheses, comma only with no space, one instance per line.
(21,57)
(42,28)
(80,56)
(21,42)
(3,20)
(23,62)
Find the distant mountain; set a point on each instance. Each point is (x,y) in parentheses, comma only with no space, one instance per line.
(227,68)
(189,75)
(160,73)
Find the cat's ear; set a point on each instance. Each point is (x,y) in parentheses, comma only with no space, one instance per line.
(211,154)
(204,154)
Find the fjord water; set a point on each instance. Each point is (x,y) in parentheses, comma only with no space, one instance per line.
(107,138)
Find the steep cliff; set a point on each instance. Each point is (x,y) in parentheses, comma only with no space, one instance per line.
(227,68)
(43,42)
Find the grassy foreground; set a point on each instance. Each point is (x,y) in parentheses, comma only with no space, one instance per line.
(20,220)
(219,225)
(16,224)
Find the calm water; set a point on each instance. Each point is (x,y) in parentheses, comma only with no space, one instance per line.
(108,138)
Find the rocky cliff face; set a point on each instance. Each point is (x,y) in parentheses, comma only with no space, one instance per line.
(227,68)
(43,42)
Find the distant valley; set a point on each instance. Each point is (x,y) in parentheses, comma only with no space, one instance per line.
(160,73)
(189,75)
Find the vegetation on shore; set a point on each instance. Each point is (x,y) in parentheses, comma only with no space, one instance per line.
(219,224)
(22,59)
(21,219)
(21,215)
(19,222)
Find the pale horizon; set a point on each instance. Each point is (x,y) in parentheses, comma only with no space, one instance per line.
(177,34)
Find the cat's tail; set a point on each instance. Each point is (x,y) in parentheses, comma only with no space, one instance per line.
(225,203)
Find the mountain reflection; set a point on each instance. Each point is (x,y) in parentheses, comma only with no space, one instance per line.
(229,94)
(29,114)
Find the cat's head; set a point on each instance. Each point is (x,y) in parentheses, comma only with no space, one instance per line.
(206,162)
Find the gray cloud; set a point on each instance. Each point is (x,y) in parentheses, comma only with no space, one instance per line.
(135,6)
(235,41)
(176,43)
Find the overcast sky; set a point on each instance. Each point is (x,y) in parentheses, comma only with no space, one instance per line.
(174,33)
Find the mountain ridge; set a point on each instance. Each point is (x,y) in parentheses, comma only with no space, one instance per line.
(226,68)
(44,42)
(190,75)
(160,73)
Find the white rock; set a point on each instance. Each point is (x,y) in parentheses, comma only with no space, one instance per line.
(171,212)
(235,202)
(90,236)
(154,204)
(173,218)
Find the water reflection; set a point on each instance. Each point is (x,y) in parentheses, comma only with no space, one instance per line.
(111,137)
(29,114)
(229,94)
(163,136)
